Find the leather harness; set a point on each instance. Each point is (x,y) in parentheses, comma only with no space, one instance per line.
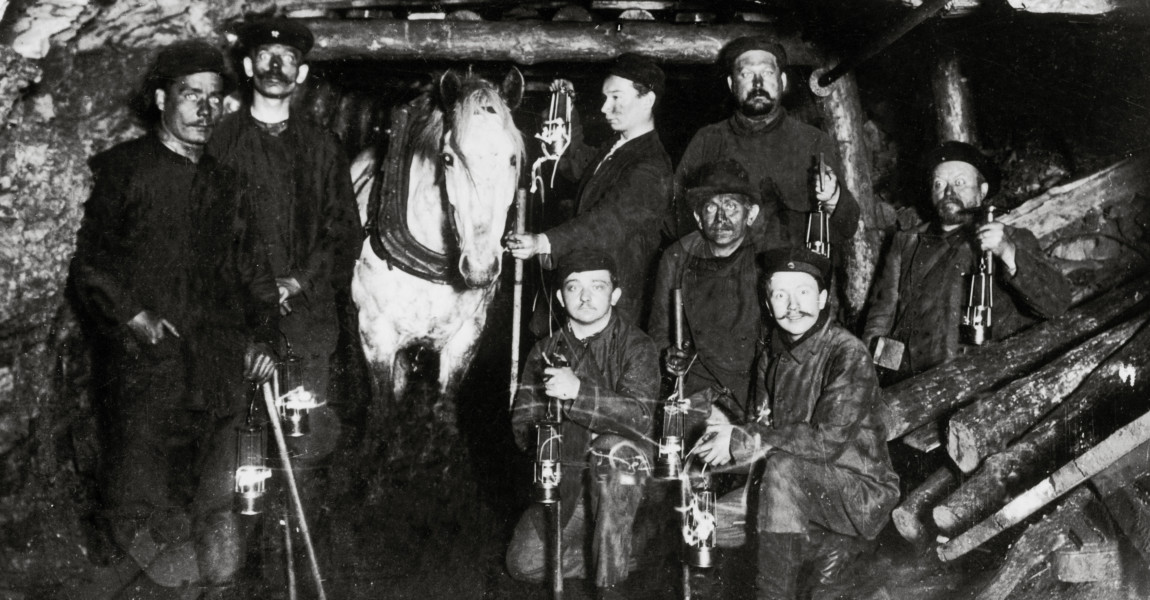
(387,227)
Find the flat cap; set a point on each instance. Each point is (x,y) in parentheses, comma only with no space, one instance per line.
(586,259)
(963,152)
(185,58)
(278,30)
(737,47)
(796,259)
(726,176)
(640,70)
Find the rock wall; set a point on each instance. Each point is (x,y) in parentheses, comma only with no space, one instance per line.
(67,69)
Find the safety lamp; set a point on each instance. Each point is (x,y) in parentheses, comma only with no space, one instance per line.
(700,523)
(293,400)
(977,318)
(818,231)
(548,465)
(251,471)
(669,461)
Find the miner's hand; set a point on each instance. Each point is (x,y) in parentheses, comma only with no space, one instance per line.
(827,188)
(563,85)
(525,245)
(714,448)
(561,383)
(992,238)
(678,360)
(148,327)
(259,363)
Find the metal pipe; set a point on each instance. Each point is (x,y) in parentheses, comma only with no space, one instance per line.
(926,10)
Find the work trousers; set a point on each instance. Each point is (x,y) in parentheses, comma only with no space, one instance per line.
(151,432)
(600,528)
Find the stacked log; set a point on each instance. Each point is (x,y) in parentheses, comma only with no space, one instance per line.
(922,399)
(1071,427)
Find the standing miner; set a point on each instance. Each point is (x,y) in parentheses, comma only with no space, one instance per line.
(919,294)
(777,150)
(624,186)
(152,241)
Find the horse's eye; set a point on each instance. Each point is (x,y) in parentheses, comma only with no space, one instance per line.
(448,159)
(514,161)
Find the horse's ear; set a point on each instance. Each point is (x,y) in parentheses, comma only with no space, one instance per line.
(449,85)
(512,88)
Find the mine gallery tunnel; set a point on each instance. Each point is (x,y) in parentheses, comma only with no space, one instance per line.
(1056,91)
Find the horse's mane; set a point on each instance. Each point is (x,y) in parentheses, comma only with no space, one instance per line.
(476,96)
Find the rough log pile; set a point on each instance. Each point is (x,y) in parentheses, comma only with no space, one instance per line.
(1029,420)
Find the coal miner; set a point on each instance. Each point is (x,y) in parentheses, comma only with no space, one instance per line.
(827,486)
(305,217)
(607,396)
(160,259)
(717,271)
(920,293)
(777,149)
(624,186)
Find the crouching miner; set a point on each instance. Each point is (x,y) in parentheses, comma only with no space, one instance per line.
(827,486)
(607,396)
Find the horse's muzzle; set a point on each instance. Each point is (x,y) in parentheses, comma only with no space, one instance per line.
(479,277)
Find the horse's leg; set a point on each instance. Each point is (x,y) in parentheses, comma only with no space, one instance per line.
(454,358)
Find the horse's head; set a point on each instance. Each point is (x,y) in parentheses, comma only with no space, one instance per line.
(481,155)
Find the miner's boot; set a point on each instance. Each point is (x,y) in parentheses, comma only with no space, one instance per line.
(830,568)
(780,558)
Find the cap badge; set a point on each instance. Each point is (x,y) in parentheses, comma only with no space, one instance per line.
(790,265)
(275,33)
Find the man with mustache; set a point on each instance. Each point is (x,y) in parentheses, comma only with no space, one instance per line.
(827,487)
(717,272)
(777,150)
(624,186)
(296,175)
(919,296)
(607,396)
(160,260)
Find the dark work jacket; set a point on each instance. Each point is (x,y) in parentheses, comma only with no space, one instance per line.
(620,210)
(722,317)
(920,293)
(618,371)
(132,250)
(779,158)
(820,401)
(302,200)
(165,234)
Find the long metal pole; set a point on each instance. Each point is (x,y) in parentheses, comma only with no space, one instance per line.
(273,416)
(517,297)
(556,550)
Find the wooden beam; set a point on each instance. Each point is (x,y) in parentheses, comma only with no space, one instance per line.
(1062,481)
(533,42)
(952,100)
(913,402)
(1124,489)
(1069,7)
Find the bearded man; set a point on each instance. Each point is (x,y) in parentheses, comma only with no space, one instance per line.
(919,295)
(777,150)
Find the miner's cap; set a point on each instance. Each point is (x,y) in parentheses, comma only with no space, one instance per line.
(186,58)
(640,70)
(586,259)
(726,176)
(963,152)
(796,259)
(279,30)
(739,46)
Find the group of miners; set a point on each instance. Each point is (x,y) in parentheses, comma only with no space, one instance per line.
(211,248)
(214,246)
(774,384)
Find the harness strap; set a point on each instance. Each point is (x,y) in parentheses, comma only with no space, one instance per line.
(386,227)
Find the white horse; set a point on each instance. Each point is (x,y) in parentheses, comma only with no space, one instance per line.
(429,283)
